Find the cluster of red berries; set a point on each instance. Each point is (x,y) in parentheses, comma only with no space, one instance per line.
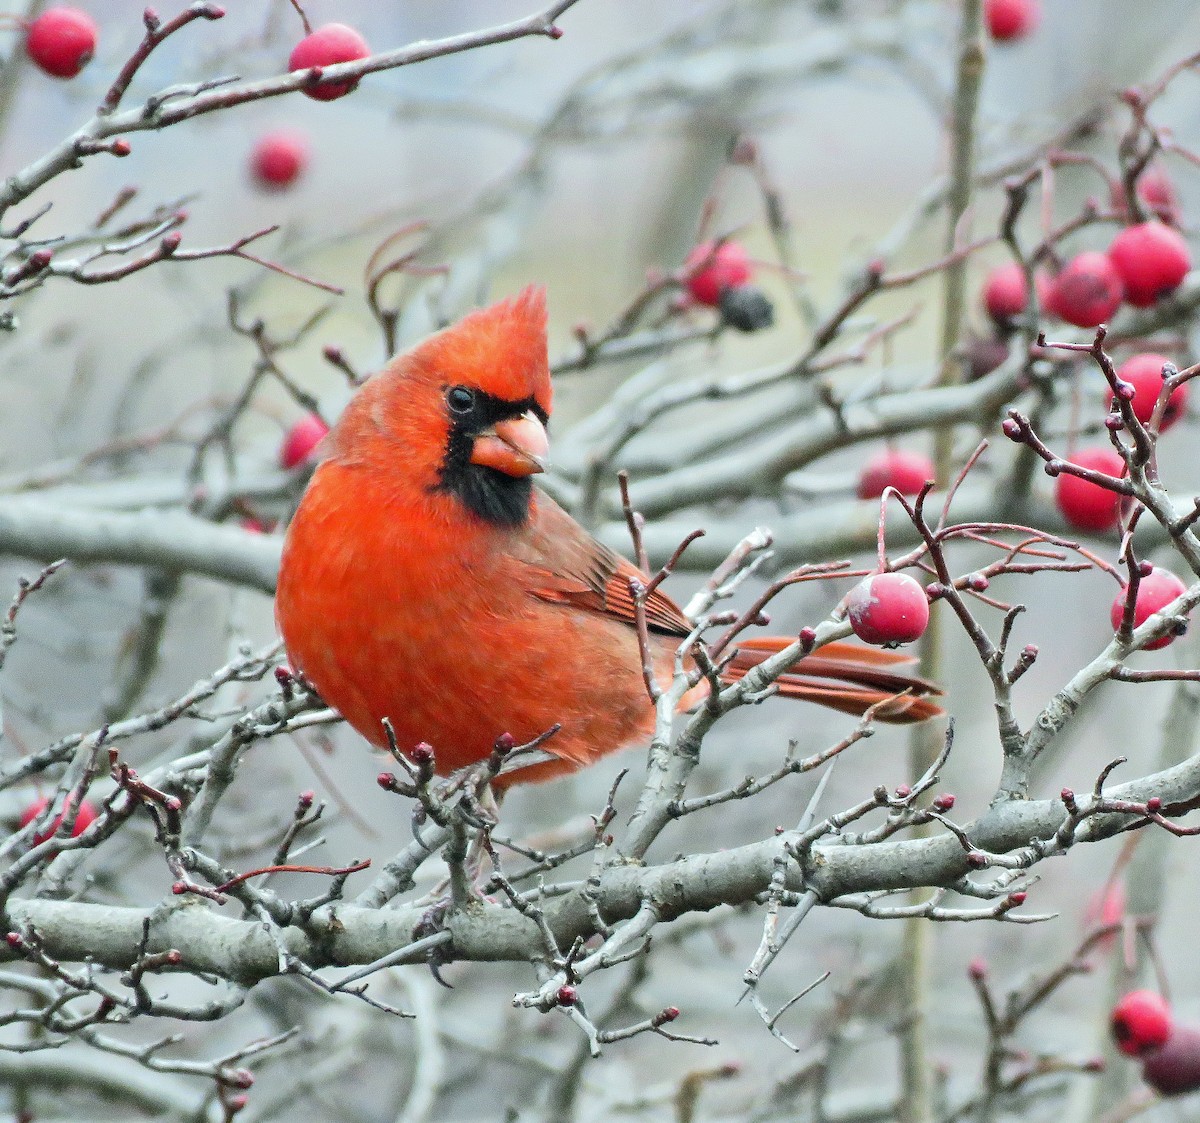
(1144,262)
(1143,1026)
(718,275)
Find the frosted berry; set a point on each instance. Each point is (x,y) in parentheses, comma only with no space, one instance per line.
(84,818)
(1008,20)
(302,440)
(61,41)
(746,308)
(709,271)
(328,45)
(1155,591)
(1086,505)
(907,472)
(1087,292)
(1151,260)
(1144,374)
(1174,1067)
(279,158)
(1140,1021)
(887,608)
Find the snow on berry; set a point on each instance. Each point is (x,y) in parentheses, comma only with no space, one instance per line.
(1151,260)
(61,41)
(327,46)
(1155,591)
(907,472)
(1144,373)
(887,608)
(709,270)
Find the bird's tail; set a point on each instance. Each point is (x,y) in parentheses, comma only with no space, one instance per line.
(846,677)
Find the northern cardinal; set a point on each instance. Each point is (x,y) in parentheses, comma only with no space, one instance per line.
(426,580)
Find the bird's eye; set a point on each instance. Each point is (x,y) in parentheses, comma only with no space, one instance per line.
(460,399)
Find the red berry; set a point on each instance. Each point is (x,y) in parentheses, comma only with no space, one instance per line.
(1140,1021)
(1011,19)
(887,608)
(710,271)
(330,44)
(279,158)
(1087,292)
(1157,193)
(84,818)
(907,472)
(1005,293)
(421,753)
(1151,259)
(1155,592)
(1144,374)
(1085,505)
(302,440)
(1174,1067)
(61,41)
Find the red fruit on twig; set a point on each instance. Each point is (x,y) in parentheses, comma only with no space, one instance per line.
(1140,1021)
(1155,591)
(328,45)
(279,158)
(1151,260)
(84,818)
(710,270)
(887,608)
(1087,292)
(1005,293)
(61,41)
(302,440)
(1156,191)
(907,472)
(1174,1067)
(1144,374)
(1086,505)
(1008,20)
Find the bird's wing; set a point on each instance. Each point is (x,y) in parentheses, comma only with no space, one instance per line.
(566,565)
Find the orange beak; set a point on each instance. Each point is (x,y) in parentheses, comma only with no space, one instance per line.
(517,447)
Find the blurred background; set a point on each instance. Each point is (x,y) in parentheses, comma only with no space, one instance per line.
(583,164)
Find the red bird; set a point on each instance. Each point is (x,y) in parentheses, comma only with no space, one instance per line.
(426,580)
